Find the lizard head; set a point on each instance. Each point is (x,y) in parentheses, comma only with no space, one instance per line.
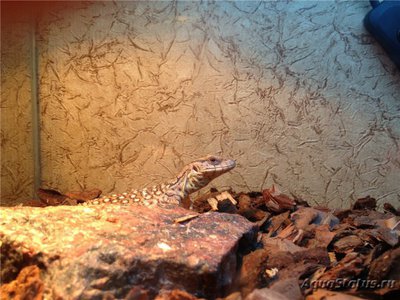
(200,172)
(210,167)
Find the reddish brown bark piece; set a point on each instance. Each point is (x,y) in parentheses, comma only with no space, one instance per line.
(245,202)
(84,195)
(348,268)
(365,203)
(267,266)
(289,288)
(290,232)
(366,218)
(386,267)
(278,244)
(201,205)
(310,228)
(51,197)
(251,274)
(34,203)
(285,260)
(226,206)
(233,296)
(266,294)
(322,238)
(347,244)
(321,294)
(175,295)
(91,252)
(27,285)
(383,234)
(277,223)
(305,216)
(276,201)
(342,214)
(136,293)
(248,208)
(390,208)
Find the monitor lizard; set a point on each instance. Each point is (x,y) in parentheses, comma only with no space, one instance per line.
(192,178)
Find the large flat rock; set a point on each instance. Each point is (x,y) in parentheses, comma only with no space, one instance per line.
(90,252)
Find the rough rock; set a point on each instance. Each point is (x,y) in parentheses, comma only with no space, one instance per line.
(28,285)
(112,251)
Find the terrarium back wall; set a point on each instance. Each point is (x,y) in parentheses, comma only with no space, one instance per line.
(298,93)
(17,170)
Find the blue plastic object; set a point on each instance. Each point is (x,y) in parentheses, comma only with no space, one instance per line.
(383,22)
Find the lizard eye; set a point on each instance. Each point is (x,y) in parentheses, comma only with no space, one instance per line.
(213,160)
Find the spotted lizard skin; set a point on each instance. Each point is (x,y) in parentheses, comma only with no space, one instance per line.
(193,177)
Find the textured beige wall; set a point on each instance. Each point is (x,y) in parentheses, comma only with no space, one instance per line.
(16,115)
(297,92)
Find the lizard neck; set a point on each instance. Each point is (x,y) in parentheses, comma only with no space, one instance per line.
(187,183)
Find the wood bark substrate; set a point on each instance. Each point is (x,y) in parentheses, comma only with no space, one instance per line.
(301,252)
